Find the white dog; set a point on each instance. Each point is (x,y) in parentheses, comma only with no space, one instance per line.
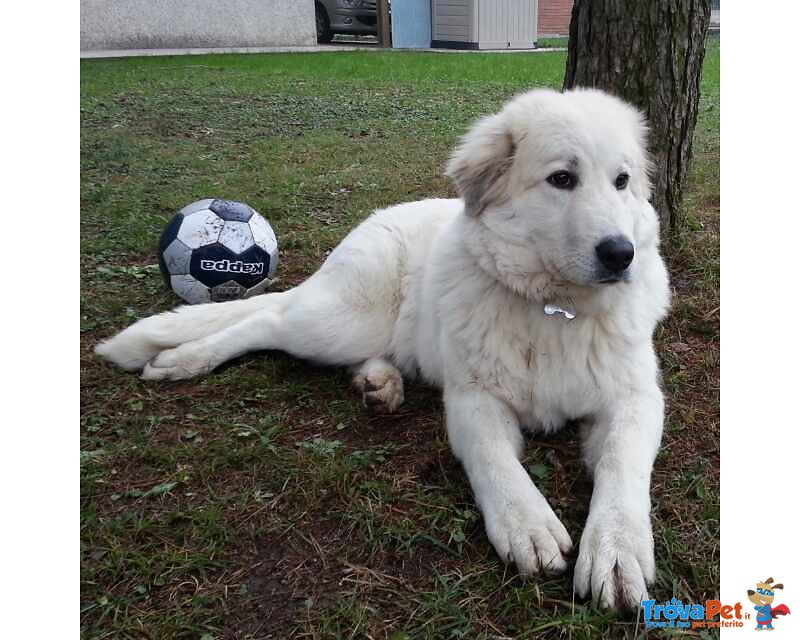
(532,301)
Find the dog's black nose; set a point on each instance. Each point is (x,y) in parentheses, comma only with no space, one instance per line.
(615,254)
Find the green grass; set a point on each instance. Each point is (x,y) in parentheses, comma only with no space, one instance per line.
(552,43)
(263,501)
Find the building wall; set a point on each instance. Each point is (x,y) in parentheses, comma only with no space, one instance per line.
(484,24)
(411,24)
(452,20)
(554,17)
(184,24)
(506,24)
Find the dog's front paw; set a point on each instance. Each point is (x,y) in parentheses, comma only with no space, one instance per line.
(615,561)
(186,361)
(524,530)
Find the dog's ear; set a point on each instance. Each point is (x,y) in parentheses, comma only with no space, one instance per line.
(778,586)
(642,179)
(479,165)
(768,581)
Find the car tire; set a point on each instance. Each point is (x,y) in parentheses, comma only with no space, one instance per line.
(324,34)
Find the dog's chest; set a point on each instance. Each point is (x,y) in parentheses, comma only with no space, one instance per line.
(550,369)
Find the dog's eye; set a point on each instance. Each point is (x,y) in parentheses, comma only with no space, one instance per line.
(563,180)
(622,181)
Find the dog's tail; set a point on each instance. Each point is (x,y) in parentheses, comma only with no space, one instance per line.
(138,344)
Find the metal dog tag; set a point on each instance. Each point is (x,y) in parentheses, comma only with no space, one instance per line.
(551,309)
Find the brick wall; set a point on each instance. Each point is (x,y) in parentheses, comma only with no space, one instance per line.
(554,17)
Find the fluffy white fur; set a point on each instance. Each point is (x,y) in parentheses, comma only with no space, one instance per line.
(454,290)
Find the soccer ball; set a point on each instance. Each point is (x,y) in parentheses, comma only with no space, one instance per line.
(217,250)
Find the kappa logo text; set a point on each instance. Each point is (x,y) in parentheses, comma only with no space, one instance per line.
(232,266)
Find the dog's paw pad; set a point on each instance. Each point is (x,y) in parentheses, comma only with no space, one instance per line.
(384,398)
(381,387)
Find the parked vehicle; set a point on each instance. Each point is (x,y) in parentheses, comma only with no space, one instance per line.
(353,17)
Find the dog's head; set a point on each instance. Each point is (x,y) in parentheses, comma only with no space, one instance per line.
(558,187)
(764,593)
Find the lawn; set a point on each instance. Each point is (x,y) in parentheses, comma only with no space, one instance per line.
(263,501)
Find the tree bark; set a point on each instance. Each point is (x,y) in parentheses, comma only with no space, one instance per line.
(649,52)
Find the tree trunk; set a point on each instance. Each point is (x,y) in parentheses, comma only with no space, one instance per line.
(649,52)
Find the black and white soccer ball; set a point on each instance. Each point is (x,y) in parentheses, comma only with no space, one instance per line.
(218,250)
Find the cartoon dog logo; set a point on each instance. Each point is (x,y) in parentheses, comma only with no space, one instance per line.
(762,597)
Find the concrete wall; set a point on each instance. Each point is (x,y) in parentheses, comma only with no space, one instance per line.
(187,24)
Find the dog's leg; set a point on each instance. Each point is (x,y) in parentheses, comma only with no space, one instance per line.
(316,323)
(616,558)
(132,348)
(380,384)
(484,434)
(261,330)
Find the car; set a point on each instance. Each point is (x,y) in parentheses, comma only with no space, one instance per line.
(352,17)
